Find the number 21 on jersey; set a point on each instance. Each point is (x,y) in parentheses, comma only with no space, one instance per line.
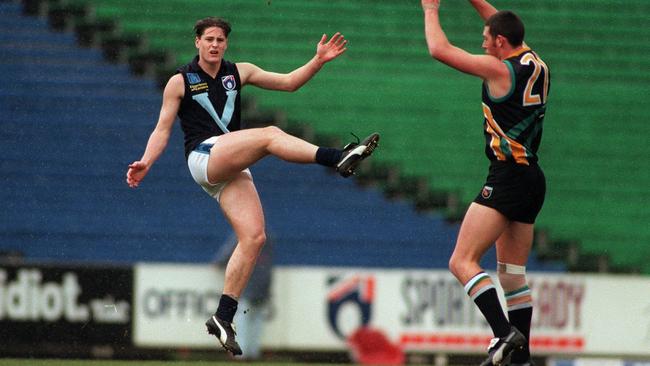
(530,98)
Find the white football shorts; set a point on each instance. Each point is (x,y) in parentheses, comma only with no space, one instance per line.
(197,162)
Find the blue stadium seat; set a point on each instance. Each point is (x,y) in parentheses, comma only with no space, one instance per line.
(70,125)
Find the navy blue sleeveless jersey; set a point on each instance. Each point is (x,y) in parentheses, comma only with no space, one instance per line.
(513,123)
(210,106)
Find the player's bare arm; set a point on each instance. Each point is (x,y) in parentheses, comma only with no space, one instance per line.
(174,91)
(483,8)
(325,51)
(487,67)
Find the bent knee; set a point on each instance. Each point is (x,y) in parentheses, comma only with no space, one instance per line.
(259,240)
(463,268)
(511,276)
(253,243)
(272,131)
(454,265)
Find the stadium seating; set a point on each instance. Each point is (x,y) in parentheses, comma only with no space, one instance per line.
(429,114)
(72,122)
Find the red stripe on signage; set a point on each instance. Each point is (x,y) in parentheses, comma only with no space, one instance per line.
(558,342)
(456,340)
(343,288)
(369,294)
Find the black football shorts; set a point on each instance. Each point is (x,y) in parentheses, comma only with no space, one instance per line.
(516,191)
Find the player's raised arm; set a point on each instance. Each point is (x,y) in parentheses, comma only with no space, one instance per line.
(160,136)
(486,67)
(325,52)
(484,9)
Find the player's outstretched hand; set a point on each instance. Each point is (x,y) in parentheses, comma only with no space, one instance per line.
(135,174)
(329,50)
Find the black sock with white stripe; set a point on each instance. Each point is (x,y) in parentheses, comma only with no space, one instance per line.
(488,303)
(521,319)
(328,156)
(487,300)
(227,308)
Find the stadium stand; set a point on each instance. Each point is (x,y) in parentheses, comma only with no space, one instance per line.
(71,122)
(429,114)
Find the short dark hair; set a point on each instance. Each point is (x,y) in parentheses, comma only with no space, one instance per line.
(205,23)
(507,24)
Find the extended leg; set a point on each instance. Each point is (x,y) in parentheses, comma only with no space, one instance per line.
(513,249)
(480,229)
(238,150)
(241,206)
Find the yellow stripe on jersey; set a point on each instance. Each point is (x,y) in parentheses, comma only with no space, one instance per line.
(495,143)
(517,150)
(518,52)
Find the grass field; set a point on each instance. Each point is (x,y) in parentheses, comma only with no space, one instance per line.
(47,362)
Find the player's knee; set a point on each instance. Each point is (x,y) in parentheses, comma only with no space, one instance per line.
(253,242)
(511,277)
(463,267)
(272,132)
(455,266)
(256,241)
(259,240)
(251,245)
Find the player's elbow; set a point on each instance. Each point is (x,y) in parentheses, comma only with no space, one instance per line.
(291,87)
(432,51)
(161,134)
(295,80)
(439,49)
(436,51)
(293,83)
(286,85)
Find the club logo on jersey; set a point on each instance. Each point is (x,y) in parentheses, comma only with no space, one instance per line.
(487,192)
(229,82)
(193,78)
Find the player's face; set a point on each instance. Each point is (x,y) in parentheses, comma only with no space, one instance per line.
(212,45)
(489,43)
